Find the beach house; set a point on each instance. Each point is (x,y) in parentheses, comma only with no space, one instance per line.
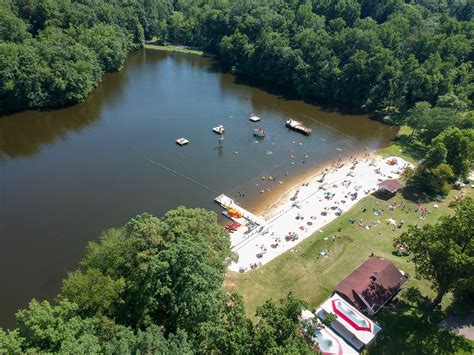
(371,285)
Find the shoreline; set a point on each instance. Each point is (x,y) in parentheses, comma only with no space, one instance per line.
(312,177)
(176,49)
(309,205)
(274,200)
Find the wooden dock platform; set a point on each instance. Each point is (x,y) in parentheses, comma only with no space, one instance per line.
(227,203)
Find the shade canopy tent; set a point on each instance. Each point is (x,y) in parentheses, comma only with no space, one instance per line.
(371,285)
(327,340)
(331,343)
(352,325)
(389,187)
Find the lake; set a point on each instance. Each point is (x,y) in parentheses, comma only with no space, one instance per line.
(68,174)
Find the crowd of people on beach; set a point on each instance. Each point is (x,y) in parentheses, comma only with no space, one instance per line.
(315,203)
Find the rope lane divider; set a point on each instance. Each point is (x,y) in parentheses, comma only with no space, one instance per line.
(182,175)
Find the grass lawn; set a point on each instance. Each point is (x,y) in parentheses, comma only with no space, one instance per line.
(312,278)
(404,147)
(171,48)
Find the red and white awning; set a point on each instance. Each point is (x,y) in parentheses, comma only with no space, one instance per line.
(330,343)
(351,319)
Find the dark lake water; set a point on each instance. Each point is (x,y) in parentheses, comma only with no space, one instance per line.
(67,174)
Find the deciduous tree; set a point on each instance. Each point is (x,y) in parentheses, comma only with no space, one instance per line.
(443,253)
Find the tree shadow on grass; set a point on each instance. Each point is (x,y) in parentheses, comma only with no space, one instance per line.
(411,327)
(380,196)
(411,146)
(461,306)
(417,194)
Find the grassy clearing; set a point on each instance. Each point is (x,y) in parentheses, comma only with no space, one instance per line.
(171,48)
(409,326)
(405,147)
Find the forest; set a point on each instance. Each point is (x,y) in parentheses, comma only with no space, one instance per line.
(53,52)
(378,56)
(372,55)
(155,286)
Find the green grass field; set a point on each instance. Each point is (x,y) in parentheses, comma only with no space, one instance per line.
(170,48)
(408,327)
(405,147)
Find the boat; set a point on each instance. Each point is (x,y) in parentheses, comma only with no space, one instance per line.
(298,127)
(259,132)
(254,118)
(219,129)
(182,141)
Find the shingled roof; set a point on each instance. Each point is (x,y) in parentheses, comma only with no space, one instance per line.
(390,185)
(371,285)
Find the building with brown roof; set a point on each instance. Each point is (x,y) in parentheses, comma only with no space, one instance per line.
(389,187)
(371,285)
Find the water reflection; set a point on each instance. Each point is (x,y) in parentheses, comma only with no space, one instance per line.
(24,134)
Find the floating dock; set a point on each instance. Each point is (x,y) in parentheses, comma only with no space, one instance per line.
(182,141)
(298,127)
(254,118)
(228,203)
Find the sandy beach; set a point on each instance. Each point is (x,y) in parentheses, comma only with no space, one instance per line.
(307,207)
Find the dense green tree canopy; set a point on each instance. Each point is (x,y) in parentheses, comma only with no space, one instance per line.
(173,269)
(52,53)
(382,56)
(375,55)
(59,329)
(108,43)
(155,285)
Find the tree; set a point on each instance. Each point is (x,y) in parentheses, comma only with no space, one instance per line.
(72,70)
(109,43)
(10,342)
(47,327)
(61,48)
(329,318)
(381,56)
(232,333)
(39,13)
(173,268)
(418,115)
(279,327)
(349,10)
(235,51)
(185,286)
(12,29)
(155,285)
(57,328)
(443,253)
(438,120)
(20,79)
(437,178)
(180,28)
(199,225)
(451,101)
(436,155)
(93,292)
(459,149)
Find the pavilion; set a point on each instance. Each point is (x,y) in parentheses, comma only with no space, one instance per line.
(389,187)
